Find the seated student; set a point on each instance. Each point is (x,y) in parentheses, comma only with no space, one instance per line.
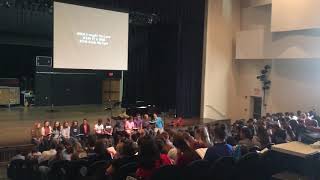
(100,152)
(99,129)
(108,129)
(246,137)
(129,125)
(46,130)
(18,155)
(74,130)
(279,135)
(67,152)
(85,128)
(262,138)
(78,151)
(125,154)
(146,124)
(220,147)
(185,154)
(138,122)
(202,138)
(48,154)
(36,134)
(34,154)
(65,131)
(56,132)
(149,158)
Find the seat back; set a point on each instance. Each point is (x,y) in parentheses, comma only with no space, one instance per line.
(198,169)
(98,169)
(127,170)
(14,169)
(223,168)
(168,172)
(77,169)
(59,170)
(248,167)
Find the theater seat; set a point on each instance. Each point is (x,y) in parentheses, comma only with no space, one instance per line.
(168,172)
(198,169)
(248,167)
(223,168)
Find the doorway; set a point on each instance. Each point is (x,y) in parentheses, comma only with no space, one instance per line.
(111,91)
(256,104)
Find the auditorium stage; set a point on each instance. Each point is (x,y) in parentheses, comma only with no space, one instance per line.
(16,122)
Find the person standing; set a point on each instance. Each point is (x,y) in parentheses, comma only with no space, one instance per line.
(159,124)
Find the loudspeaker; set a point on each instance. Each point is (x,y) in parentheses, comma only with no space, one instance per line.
(43,64)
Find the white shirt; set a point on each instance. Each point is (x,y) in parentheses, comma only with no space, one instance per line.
(98,128)
(65,132)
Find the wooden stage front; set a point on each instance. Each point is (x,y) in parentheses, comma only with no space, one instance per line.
(16,122)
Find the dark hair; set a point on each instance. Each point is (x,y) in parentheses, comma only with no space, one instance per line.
(219,132)
(100,148)
(128,148)
(246,132)
(99,121)
(181,144)
(263,136)
(160,143)
(56,128)
(148,152)
(74,122)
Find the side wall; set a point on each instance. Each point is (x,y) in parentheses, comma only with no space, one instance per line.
(220,71)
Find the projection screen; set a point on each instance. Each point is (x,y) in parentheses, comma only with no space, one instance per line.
(89,38)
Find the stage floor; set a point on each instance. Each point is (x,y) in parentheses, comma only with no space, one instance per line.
(16,122)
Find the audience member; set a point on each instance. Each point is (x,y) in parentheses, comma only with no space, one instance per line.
(185,154)
(149,158)
(220,147)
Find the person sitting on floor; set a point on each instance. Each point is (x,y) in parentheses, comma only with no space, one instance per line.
(85,128)
(74,130)
(36,134)
(65,131)
(220,147)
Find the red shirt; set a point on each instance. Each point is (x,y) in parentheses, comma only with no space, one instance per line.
(46,131)
(85,129)
(145,174)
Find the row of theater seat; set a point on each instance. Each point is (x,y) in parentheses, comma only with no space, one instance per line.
(252,166)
